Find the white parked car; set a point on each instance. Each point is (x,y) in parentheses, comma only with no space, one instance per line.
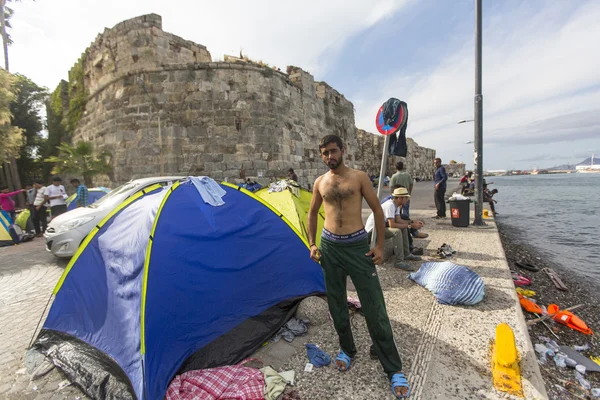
(66,232)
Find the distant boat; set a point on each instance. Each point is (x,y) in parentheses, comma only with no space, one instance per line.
(588,169)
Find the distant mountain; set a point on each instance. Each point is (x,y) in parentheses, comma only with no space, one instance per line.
(588,161)
(563,167)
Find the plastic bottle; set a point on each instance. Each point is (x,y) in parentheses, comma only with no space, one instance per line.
(580,368)
(582,381)
(585,347)
(541,349)
(596,393)
(552,345)
(560,360)
(570,362)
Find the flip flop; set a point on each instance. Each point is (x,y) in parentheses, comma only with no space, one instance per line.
(345,358)
(527,266)
(520,280)
(399,380)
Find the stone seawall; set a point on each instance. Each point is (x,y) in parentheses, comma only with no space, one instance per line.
(160,106)
(418,161)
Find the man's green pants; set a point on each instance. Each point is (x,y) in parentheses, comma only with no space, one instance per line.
(338,260)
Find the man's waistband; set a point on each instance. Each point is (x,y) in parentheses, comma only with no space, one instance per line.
(348,238)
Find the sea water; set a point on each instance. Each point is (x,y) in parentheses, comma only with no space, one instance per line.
(557,214)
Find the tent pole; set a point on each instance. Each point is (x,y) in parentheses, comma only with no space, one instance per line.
(40,320)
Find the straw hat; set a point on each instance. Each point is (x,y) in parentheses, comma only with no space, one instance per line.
(400,192)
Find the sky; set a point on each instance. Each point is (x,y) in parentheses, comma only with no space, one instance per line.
(541,86)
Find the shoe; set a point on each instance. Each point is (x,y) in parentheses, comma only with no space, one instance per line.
(421,235)
(417,251)
(412,257)
(404,266)
(436,217)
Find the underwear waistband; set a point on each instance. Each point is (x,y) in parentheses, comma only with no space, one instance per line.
(348,238)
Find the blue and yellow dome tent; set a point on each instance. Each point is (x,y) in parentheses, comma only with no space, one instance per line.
(168,283)
(94,194)
(5,237)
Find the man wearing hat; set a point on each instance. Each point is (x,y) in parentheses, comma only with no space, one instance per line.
(396,228)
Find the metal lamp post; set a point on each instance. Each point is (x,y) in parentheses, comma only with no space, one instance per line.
(478,159)
(478,131)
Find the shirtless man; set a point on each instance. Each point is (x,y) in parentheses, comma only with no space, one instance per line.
(345,251)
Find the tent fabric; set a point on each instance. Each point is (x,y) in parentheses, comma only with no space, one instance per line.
(167,278)
(295,209)
(5,236)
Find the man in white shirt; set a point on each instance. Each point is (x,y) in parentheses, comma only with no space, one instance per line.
(39,208)
(56,195)
(396,228)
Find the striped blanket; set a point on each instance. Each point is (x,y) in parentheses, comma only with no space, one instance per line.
(450,283)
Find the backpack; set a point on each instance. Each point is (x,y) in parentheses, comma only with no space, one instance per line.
(18,235)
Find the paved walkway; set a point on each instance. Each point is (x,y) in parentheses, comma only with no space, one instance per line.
(444,349)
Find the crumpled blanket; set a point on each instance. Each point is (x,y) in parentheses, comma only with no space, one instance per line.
(232,382)
(450,283)
(294,327)
(276,382)
(284,184)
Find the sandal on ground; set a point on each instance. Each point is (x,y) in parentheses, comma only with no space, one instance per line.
(527,266)
(399,380)
(345,358)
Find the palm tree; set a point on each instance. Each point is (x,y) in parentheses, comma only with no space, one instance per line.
(80,160)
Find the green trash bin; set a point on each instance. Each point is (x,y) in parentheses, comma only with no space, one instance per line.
(460,212)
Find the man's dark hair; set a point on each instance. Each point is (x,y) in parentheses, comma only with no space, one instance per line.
(470,174)
(56,179)
(438,159)
(291,170)
(331,139)
(399,165)
(75,180)
(38,181)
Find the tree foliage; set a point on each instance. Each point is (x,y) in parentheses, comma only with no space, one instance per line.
(26,109)
(11,137)
(80,160)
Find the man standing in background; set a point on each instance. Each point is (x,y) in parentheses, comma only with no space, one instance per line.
(39,208)
(82,193)
(402,178)
(56,195)
(440,188)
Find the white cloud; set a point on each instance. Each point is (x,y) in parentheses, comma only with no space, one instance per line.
(537,68)
(50,35)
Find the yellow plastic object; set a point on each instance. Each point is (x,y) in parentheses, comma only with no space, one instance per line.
(506,373)
(525,292)
(595,359)
(486,213)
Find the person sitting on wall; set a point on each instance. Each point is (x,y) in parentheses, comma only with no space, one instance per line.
(488,196)
(396,227)
(465,182)
(415,225)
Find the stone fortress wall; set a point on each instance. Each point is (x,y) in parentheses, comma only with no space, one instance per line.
(159,105)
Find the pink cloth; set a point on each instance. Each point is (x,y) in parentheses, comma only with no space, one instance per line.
(6,202)
(232,383)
